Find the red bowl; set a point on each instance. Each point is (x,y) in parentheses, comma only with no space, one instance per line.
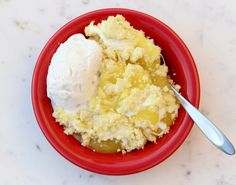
(179,61)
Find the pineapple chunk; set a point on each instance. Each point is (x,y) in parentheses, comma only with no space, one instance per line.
(148,114)
(168,120)
(161,81)
(109,146)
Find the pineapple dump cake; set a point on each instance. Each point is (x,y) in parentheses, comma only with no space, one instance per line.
(110,89)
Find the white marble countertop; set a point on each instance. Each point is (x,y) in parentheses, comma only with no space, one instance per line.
(209,30)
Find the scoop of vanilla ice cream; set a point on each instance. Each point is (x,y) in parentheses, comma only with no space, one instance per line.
(73,73)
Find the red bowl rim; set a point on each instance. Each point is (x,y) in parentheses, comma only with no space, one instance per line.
(59,149)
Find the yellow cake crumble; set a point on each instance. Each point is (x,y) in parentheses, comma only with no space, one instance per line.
(133,103)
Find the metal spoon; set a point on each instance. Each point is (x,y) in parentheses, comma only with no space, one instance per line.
(207,127)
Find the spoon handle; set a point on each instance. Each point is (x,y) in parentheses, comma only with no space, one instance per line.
(207,127)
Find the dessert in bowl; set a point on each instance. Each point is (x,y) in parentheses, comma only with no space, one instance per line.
(127,110)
